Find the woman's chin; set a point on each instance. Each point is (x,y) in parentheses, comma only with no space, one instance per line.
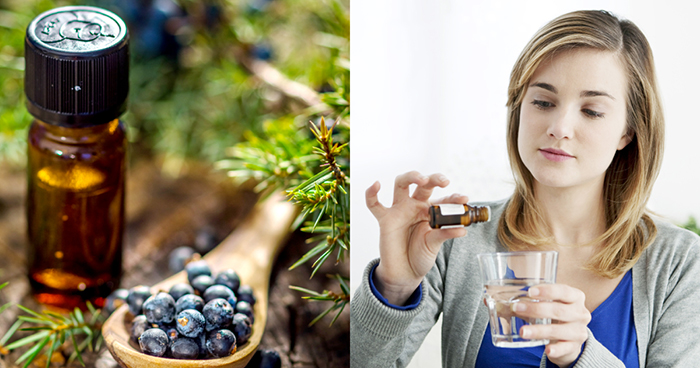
(554,180)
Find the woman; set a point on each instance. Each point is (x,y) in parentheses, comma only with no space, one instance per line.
(585,138)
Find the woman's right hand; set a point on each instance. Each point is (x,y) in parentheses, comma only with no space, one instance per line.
(408,246)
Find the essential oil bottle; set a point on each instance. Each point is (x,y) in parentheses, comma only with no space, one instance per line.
(457,215)
(76,83)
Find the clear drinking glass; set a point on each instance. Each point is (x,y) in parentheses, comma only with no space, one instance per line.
(507,277)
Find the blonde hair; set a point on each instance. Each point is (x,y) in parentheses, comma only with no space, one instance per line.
(630,176)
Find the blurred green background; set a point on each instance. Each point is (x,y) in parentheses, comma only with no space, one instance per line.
(194,91)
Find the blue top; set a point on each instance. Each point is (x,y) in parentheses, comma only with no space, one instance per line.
(612,323)
(412,302)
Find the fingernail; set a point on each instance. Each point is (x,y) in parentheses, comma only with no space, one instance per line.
(526,333)
(442,177)
(533,291)
(518,307)
(551,351)
(423,178)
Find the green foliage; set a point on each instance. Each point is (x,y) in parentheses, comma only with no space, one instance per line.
(197,106)
(50,330)
(340,301)
(340,99)
(6,305)
(5,338)
(692,225)
(324,196)
(313,174)
(284,156)
(14,118)
(276,160)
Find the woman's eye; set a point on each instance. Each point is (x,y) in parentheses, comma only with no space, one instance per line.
(542,105)
(593,114)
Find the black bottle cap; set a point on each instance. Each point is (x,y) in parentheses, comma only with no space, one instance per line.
(77,66)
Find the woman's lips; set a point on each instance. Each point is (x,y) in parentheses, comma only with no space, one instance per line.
(555,155)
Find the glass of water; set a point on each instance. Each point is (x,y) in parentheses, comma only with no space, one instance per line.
(507,277)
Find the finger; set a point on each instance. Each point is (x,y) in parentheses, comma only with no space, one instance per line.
(558,292)
(552,310)
(454,198)
(403,181)
(423,192)
(372,200)
(556,331)
(563,352)
(435,237)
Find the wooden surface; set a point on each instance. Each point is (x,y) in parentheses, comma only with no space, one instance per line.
(162,214)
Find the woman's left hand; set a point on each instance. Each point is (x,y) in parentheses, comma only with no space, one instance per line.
(566,308)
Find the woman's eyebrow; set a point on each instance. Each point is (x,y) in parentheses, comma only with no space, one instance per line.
(595,94)
(554,90)
(546,86)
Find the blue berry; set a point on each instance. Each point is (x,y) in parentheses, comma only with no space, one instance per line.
(265,359)
(245,293)
(137,295)
(241,326)
(190,323)
(154,342)
(219,291)
(228,278)
(152,23)
(262,51)
(205,241)
(172,333)
(257,6)
(165,326)
(221,343)
(178,257)
(159,308)
(218,314)
(184,348)
(212,15)
(116,299)
(245,308)
(138,326)
(197,268)
(189,301)
(246,319)
(201,341)
(178,290)
(202,283)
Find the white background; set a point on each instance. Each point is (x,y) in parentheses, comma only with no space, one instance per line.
(429,91)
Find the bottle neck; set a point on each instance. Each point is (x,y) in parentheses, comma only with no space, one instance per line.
(77,136)
(481,214)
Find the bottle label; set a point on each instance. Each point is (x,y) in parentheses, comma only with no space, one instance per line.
(451,226)
(451,209)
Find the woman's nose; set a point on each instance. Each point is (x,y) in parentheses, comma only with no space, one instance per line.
(561,126)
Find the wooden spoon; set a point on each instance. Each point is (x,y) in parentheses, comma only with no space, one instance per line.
(250,250)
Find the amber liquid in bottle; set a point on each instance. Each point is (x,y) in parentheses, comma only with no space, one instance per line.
(457,215)
(75,207)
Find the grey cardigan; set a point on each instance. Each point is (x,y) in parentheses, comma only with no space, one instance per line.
(666,306)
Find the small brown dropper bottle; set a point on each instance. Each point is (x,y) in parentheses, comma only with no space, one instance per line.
(76,82)
(457,215)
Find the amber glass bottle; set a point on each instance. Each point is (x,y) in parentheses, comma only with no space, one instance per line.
(457,215)
(76,82)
